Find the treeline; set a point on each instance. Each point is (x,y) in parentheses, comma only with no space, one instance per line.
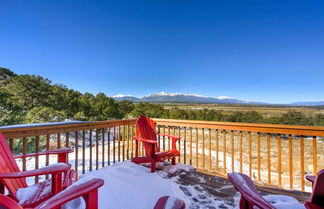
(34,99)
(290,118)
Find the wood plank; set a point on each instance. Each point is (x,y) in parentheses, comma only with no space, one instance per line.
(241,151)
(203,147)
(269,157)
(250,154)
(36,157)
(83,150)
(76,153)
(232,150)
(103,146)
(290,165)
(190,151)
(302,164)
(224,148)
(279,159)
(209,149)
(314,155)
(217,149)
(259,156)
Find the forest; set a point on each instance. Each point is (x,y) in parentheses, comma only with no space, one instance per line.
(34,99)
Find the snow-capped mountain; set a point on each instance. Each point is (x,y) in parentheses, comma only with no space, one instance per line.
(163,97)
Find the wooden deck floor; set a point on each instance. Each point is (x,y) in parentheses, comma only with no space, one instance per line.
(217,192)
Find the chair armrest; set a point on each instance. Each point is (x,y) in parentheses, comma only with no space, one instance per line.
(145,140)
(310,205)
(51,169)
(167,135)
(50,152)
(84,187)
(310,178)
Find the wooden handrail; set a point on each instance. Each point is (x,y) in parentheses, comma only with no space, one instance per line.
(253,127)
(60,128)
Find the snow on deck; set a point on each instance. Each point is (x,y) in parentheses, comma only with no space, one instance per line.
(128,185)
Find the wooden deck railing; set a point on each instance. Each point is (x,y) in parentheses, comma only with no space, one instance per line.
(270,154)
(277,155)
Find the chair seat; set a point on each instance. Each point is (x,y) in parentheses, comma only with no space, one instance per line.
(31,195)
(168,154)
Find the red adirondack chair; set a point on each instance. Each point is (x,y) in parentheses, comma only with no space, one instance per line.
(13,179)
(168,202)
(146,134)
(250,196)
(88,190)
(317,197)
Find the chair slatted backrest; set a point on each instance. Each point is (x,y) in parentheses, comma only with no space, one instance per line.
(246,187)
(146,130)
(8,165)
(318,189)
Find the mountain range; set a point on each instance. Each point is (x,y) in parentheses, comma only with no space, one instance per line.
(163,97)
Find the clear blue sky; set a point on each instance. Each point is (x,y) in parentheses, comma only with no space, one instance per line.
(270,51)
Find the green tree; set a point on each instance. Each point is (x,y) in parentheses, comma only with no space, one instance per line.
(125,107)
(148,109)
(44,114)
(29,91)
(5,74)
(9,112)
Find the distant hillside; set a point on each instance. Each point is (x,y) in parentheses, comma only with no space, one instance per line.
(319,103)
(164,97)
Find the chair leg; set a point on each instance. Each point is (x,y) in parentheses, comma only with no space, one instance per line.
(173,161)
(153,166)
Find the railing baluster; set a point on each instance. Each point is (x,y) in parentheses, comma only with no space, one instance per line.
(118,143)
(314,155)
(217,149)
(209,148)
(269,158)
(103,147)
(232,151)
(185,145)
(132,140)
(11,145)
(190,145)
(108,139)
(203,147)
(241,151)
(114,145)
(302,166)
(58,140)
(76,136)
(67,139)
(90,149)
(128,137)
(224,148)
(250,154)
(24,153)
(279,159)
(290,161)
(163,138)
(67,142)
(47,149)
(36,157)
(179,144)
(83,150)
(169,132)
(197,143)
(123,141)
(259,156)
(97,149)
